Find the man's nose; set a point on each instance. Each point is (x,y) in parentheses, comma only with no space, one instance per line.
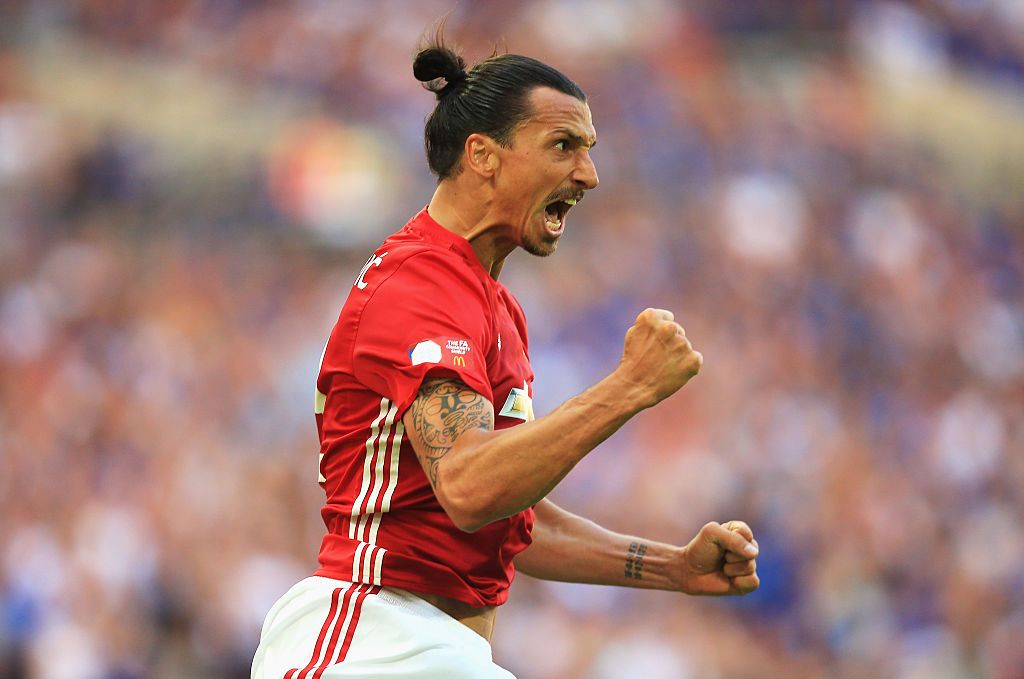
(585,175)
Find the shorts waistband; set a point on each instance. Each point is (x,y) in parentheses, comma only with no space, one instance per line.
(414,605)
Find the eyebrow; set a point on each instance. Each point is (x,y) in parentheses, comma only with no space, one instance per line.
(576,139)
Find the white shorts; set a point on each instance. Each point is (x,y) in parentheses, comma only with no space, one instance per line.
(330,628)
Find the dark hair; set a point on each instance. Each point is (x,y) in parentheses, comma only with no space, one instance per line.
(492,99)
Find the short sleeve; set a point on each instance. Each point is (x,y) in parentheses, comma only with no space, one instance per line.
(430,317)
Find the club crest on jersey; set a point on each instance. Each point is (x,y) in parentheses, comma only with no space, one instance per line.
(452,351)
(518,404)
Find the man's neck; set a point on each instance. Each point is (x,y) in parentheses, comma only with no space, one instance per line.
(464,214)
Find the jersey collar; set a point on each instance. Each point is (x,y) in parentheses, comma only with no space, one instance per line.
(435,233)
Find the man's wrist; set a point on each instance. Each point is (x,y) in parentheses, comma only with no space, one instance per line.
(653,565)
(630,392)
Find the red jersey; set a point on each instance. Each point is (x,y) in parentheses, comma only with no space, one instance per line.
(422,305)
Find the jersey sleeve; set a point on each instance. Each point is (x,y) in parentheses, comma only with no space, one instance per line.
(430,317)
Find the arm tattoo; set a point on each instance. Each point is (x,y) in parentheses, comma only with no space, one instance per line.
(635,560)
(443,410)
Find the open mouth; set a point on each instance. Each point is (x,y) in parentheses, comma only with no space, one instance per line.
(555,211)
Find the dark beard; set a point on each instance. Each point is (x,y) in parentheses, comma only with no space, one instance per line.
(543,249)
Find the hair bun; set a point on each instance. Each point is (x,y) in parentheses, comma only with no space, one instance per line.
(435,63)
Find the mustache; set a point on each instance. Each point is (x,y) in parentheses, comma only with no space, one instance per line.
(570,194)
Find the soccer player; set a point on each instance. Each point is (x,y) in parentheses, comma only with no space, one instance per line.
(436,472)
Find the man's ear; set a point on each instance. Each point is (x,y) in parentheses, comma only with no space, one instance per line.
(480,154)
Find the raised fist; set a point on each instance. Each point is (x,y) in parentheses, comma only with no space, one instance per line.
(657,357)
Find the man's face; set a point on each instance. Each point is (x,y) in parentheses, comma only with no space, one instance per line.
(546,170)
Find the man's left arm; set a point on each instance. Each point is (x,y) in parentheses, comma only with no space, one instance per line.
(569,548)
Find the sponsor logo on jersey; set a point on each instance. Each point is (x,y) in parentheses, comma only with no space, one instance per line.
(518,404)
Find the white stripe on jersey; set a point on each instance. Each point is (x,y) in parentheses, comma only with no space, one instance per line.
(365,522)
(367,561)
(369,514)
(377,564)
(370,446)
(374,560)
(357,561)
(385,505)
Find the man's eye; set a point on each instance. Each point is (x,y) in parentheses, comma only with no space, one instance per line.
(561,145)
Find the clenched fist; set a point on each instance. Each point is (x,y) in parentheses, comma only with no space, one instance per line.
(657,358)
(720,560)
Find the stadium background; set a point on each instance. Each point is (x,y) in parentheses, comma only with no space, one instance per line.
(828,194)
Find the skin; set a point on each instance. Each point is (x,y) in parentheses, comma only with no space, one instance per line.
(480,475)
(497,202)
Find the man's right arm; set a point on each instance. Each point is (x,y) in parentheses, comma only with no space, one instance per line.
(480,475)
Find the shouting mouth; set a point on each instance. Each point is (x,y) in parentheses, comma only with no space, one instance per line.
(554,214)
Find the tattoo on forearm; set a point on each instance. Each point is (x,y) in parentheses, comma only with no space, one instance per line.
(635,560)
(442,412)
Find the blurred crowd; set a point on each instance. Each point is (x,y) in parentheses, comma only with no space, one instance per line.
(166,288)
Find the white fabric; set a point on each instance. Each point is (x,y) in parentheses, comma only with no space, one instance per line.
(397,635)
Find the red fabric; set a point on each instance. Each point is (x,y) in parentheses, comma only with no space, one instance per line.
(350,633)
(424,297)
(328,621)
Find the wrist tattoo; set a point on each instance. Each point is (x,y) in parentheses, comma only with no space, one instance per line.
(635,560)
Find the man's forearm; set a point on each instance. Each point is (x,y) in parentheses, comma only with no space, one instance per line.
(487,476)
(569,548)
